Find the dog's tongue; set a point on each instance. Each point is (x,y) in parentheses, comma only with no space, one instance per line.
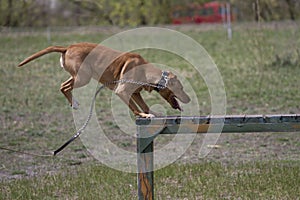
(175,104)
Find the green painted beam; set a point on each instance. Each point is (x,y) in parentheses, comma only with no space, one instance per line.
(148,129)
(224,124)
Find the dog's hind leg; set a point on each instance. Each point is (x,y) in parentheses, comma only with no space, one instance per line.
(80,79)
(66,88)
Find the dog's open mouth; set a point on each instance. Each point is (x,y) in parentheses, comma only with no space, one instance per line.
(175,103)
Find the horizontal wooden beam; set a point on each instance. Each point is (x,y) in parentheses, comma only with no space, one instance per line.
(148,129)
(224,124)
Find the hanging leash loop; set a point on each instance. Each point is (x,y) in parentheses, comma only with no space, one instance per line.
(161,85)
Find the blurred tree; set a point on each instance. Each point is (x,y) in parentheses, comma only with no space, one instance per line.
(133,12)
(291,7)
(8,17)
(267,10)
(128,12)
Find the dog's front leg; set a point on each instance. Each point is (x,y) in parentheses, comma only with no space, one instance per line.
(133,107)
(141,103)
(129,102)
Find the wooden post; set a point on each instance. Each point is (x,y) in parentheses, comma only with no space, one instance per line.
(145,166)
(148,129)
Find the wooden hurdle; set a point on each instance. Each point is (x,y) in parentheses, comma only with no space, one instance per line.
(207,124)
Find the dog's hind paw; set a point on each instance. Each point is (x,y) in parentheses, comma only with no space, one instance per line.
(75,104)
(144,115)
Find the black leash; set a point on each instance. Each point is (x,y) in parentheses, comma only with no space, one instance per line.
(84,125)
(70,140)
(25,153)
(161,85)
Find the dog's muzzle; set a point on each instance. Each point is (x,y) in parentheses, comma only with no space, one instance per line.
(183,97)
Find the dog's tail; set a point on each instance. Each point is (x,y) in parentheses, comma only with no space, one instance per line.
(58,49)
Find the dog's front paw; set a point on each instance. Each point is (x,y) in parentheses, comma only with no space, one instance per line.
(75,104)
(156,113)
(144,115)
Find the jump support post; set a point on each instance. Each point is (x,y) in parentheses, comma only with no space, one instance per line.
(187,125)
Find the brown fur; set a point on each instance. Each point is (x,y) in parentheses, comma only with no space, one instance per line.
(86,60)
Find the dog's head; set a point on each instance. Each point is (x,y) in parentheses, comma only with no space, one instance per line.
(174,91)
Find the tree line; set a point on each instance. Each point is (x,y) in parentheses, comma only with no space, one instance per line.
(40,13)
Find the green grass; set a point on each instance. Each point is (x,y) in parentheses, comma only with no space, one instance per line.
(88,182)
(260,69)
(208,180)
(216,181)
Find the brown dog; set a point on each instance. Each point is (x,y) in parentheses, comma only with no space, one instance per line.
(125,73)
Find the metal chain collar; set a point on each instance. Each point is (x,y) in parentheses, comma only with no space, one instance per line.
(162,83)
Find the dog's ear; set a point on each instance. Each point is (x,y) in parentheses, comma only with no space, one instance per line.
(171,75)
(177,88)
(173,81)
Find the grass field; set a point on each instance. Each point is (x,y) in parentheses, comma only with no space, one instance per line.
(260,67)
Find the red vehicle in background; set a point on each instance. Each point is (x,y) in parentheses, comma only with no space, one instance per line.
(213,12)
(183,14)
